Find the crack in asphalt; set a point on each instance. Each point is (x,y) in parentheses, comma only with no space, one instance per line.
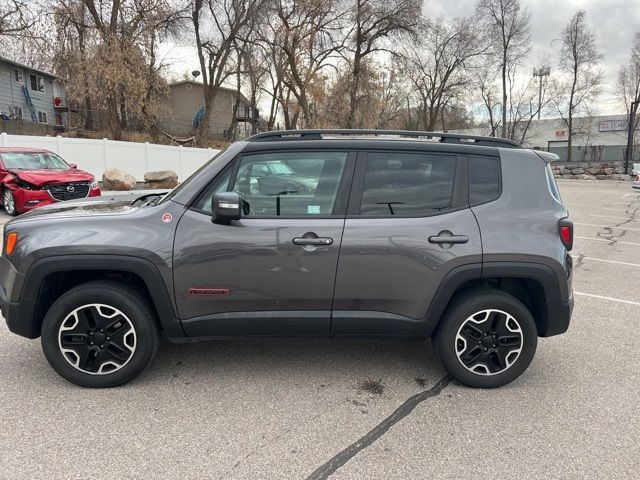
(614,238)
(330,467)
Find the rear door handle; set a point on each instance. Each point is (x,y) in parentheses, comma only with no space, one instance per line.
(312,241)
(449,239)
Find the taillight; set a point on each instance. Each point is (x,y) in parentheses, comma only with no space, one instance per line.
(565,228)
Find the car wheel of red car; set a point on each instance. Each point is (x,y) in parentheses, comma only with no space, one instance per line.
(9,203)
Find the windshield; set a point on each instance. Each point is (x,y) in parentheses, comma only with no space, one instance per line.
(34,161)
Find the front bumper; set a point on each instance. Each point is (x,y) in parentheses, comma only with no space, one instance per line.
(18,314)
(29,199)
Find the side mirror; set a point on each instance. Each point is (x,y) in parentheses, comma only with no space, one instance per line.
(227,206)
(73,165)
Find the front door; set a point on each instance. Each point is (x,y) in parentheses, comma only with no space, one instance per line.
(273,271)
(408,224)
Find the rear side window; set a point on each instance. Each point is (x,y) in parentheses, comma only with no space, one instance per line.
(412,184)
(484,179)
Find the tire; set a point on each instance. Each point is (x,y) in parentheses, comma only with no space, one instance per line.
(484,361)
(9,203)
(100,334)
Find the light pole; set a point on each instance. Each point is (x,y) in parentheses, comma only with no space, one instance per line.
(629,153)
(541,73)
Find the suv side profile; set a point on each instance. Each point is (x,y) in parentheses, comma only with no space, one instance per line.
(383,233)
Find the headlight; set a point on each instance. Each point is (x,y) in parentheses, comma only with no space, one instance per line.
(94,184)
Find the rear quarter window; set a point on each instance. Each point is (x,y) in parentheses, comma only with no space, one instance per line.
(484,179)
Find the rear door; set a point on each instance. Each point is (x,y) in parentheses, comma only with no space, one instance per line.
(408,224)
(273,271)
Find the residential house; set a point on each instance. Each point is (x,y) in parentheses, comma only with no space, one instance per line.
(185,103)
(30,94)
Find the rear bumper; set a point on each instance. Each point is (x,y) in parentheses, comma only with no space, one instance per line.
(559,317)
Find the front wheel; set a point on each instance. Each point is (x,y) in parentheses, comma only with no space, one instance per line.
(486,339)
(9,202)
(100,334)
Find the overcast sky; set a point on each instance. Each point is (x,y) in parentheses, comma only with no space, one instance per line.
(614,21)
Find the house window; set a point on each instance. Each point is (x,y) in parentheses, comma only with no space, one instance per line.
(37,83)
(19,76)
(16,113)
(42,116)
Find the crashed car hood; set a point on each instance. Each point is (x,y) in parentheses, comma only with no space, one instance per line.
(44,177)
(91,207)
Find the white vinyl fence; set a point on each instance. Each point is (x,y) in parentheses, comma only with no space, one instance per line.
(95,156)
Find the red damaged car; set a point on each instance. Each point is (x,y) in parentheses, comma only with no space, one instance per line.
(32,177)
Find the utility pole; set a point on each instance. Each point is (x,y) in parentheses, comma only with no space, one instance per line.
(633,110)
(541,73)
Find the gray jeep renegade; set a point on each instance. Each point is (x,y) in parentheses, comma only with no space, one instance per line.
(305,233)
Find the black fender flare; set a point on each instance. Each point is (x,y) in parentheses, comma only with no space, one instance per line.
(160,298)
(558,309)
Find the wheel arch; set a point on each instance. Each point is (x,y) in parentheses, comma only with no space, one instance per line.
(535,285)
(50,277)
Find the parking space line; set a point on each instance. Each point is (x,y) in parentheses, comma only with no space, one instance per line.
(605,240)
(614,218)
(611,299)
(605,226)
(584,257)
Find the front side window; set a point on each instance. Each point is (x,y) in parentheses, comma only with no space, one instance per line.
(410,184)
(37,83)
(283,184)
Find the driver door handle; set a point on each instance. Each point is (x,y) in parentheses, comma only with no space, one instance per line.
(312,241)
(449,239)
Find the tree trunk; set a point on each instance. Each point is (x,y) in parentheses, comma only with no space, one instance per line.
(114,120)
(504,93)
(123,113)
(231,131)
(353,91)
(88,112)
(204,127)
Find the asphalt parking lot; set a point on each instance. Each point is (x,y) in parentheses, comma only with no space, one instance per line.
(356,409)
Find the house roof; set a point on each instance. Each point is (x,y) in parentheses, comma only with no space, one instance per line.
(22,65)
(200,84)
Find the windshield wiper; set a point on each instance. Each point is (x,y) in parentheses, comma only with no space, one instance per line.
(148,200)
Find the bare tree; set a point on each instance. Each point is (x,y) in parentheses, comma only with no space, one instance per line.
(628,84)
(508,25)
(220,26)
(438,67)
(308,33)
(382,96)
(579,58)
(526,101)
(15,17)
(374,22)
(485,83)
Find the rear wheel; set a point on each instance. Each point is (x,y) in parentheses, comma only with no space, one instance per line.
(9,202)
(486,339)
(100,334)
